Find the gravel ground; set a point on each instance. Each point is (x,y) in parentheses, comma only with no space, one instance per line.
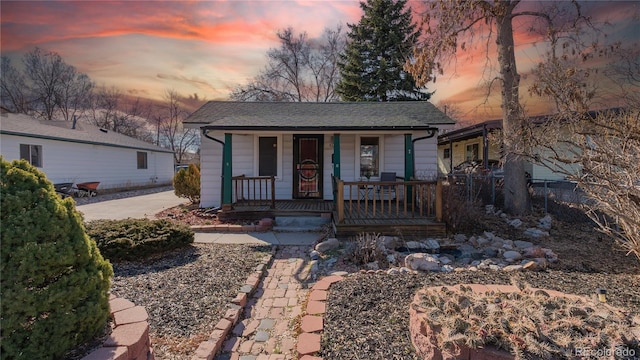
(367,314)
(186,292)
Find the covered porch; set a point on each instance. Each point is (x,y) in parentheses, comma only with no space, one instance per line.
(407,208)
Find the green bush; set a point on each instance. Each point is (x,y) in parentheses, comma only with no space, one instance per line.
(132,239)
(54,281)
(186,183)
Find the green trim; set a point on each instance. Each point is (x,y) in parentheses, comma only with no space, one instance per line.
(336,155)
(227,170)
(76,141)
(408,157)
(408,163)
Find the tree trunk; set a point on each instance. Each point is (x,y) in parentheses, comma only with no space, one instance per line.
(516,194)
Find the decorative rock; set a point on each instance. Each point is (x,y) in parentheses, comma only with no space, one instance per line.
(512,268)
(447,268)
(466,247)
(372,266)
(445,260)
(421,261)
(460,237)
(482,241)
(328,245)
(545,222)
(489,235)
(393,271)
(490,252)
(494,267)
(432,244)
(314,255)
(522,244)
(475,263)
(391,259)
(512,255)
(503,215)
(515,223)
(414,245)
(404,270)
(391,242)
(535,232)
(489,209)
(331,261)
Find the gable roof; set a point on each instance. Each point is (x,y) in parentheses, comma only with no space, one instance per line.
(25,125)
(298,116)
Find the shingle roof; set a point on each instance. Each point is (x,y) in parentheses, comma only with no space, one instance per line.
(227,115)
(24,125)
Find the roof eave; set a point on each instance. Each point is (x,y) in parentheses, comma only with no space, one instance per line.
(319,128)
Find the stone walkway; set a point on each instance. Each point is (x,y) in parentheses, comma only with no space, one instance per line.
(271,318)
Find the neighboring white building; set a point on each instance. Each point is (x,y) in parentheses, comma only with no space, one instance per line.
(68,152)
(304,144)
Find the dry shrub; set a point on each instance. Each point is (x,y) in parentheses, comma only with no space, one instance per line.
(461,214)
(366,248)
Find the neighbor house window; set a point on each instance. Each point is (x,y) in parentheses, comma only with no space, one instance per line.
(31,153)
(472,151)
(447,153)
(142,160)
(268,156)
(369,156)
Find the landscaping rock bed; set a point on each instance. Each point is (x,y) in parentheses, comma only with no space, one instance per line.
(186,292)
(367,313)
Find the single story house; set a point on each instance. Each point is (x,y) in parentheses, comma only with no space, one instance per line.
(78,152)
(304,147)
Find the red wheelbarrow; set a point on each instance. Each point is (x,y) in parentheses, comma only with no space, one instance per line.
(88,189)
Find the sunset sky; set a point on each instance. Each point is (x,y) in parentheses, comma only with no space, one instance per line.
(210,47)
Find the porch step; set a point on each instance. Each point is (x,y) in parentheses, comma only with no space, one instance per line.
(300,223)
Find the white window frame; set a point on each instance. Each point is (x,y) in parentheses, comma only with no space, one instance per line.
(466,151)
(256,153)
(380,155)
(39,151)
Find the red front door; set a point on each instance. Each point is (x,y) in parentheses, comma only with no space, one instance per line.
(307,162)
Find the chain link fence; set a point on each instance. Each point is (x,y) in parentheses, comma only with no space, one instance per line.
(488,189)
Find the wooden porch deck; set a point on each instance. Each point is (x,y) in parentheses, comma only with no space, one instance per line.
(359,217)
(405,208)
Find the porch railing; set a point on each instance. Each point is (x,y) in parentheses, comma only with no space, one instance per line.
(254,190)
(357,200)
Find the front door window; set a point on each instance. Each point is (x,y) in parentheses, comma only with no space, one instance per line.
(308,166)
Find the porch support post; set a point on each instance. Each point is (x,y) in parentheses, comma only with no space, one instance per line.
(227,171)
(336,155)
(408,157)
(408,164)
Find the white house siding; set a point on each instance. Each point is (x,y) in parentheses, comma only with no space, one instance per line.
(347,157)
(284,183)
(244,162)
(113,167)
(393,154)
(425,155)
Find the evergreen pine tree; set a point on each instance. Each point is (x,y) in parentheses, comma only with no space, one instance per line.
(371,67)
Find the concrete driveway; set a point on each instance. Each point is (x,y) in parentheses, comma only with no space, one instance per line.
(137,207)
